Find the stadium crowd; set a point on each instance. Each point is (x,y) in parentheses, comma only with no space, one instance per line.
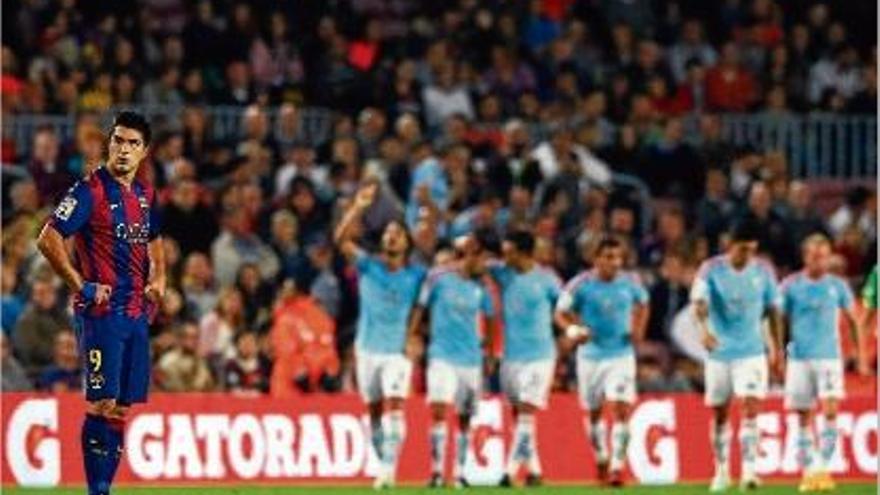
(438,104)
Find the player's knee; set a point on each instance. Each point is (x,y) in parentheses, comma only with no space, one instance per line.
(103,407)
(464,421)
(804,418)
(527,408)
(595,415)
(118,412)
(720,414)
(829,409)
(621,411)
(394,404)
(375,410)
(751,407)
(438,412)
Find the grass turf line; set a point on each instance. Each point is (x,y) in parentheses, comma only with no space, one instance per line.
(691,489)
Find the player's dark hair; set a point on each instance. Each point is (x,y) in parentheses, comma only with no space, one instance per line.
(608,242)
(136,121)
(745,230)
(522,240)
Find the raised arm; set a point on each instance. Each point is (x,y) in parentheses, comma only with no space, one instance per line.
(342,235)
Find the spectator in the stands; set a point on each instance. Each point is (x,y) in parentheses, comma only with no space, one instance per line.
(182,369)
(47,167)
(246,373)
(218,328)
(198,285)
(65,374)
(237,245)
(11,303)
(42,320)
(188,220)
(13,376)
(730,88)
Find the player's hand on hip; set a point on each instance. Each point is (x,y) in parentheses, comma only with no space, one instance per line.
(155,291)
(95,293)
(710,341)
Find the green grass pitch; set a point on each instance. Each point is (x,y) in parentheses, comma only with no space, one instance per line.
(694,489)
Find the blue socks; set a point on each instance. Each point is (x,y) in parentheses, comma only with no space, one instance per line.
(102,450)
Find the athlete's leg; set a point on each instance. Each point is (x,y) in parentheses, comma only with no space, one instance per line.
(439,435)
(620,411)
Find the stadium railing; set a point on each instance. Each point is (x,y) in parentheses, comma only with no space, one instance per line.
(817,145)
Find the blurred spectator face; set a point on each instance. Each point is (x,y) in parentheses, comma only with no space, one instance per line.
(545,252)
(608,261)
(256,123)
(198,268)
(562,141)
(345,150)
(760,200)
(394,239)
(186,195)
(238,223)
(621,221)
(407,127)
(125,87)
(490,109)
(284,228)
(649,54)
(621,35)
(189,339)
(24,196)
(642,109)
(231,303)
(372,122)
(671,226)
(237,74)
(392,150)
(249,277)
(65,352)
(776,99)
(446,75)
(692,32)
(710,128)
(595,105)
(252,198)
(529,105)
(193,82)
(124,52)
(172,303)
(817,253)
(456,160)
(729,55)
(818,15)
(696,74)
(194,120)
(44,295)
(45,149)
(303,200)
(425,234)
(800,38)
(246,344)
(674,131)
(716,183)
(799,195)
(9,279)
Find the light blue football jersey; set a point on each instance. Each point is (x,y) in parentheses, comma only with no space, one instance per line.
(386,299)
(455,304)
(737,301)
(606,307)
(812,307)
(528,300)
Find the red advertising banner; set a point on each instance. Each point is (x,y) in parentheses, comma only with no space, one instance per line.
(196,438)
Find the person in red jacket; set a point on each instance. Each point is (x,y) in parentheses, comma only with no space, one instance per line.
(729,86)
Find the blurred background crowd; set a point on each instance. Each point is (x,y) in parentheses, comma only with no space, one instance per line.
(438,102)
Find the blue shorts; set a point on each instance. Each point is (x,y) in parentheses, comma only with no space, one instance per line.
(115,350)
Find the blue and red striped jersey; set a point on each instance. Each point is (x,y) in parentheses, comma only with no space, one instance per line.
(111,225)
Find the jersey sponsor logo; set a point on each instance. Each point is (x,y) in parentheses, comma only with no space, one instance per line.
(135,233)
(65,208)
(96,381)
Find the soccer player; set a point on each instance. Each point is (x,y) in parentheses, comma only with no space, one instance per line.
(811,301)
(117,271)
(455,299)
(528,295)
(387,289)
(732,294)
(608,309)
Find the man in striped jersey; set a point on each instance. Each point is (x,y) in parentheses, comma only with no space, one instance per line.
(117,273)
